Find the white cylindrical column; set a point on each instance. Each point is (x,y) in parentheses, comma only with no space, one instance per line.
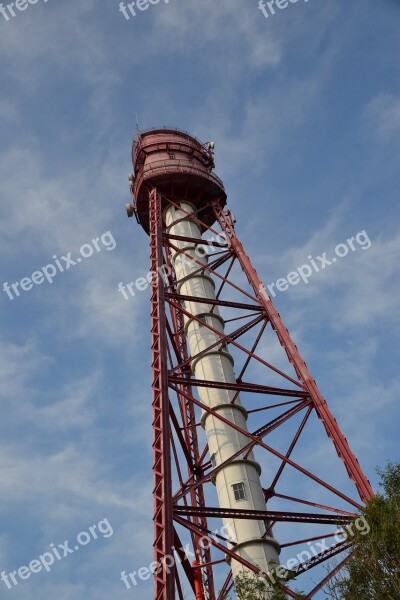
(238,484)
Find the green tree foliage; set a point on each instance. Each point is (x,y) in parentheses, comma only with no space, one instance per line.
(373,572)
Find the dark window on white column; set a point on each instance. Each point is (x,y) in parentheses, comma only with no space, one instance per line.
(239,491)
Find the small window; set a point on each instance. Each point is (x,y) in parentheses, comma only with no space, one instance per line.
(213,461)
(171,155)
(239,491)
(202,318)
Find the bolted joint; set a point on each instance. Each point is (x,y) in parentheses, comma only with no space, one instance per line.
(130,211)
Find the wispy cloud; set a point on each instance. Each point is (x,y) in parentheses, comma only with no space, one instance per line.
(382,115)
(285,104)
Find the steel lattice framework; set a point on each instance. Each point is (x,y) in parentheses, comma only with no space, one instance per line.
(281,407)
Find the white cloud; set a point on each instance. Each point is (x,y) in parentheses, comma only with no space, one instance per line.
(221,70)
(204,24)
(357,288)
(382,115)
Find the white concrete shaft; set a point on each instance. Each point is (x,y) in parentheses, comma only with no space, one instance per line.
(217,365)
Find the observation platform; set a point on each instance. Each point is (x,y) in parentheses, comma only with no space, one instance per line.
(180,166)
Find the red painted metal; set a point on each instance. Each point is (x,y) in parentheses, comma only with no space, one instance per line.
(172,166)
(331,426)
(163,523)
(197,581)
(265,514)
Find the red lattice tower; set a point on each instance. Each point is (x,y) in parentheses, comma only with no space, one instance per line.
(209,310)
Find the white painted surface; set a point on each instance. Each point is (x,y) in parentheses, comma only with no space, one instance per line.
(217,365)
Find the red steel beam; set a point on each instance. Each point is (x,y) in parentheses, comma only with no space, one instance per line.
(276,453)
(243,386)
(267,515)
(341,445)
(179,379)
(162,491)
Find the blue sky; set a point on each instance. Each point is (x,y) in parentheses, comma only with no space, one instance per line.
(304,109)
